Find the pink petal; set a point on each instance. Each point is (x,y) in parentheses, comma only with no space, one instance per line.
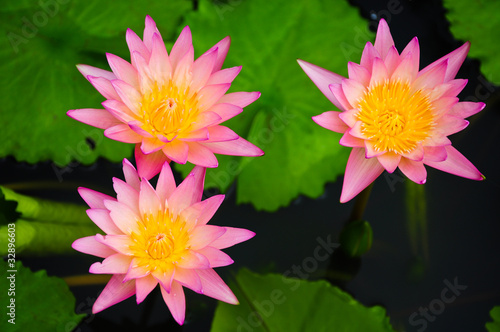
(407,70)
(137,271)
(322,78)
(151,145)
(434,153)
(353,91)
(358,73)
(231,237)
(202,69)
(224,111)
(101,218)
(115,291)
(455,60)
(457,164)
(210,94)
(123,70)
(136,126)
(87,71)
(93,198)
(201,212)
(196,135)
(351,141)
(369,53)
(357,131)
(222,49)
(148,165)
(188,278)
(176,302)
(181,46)
(126,194)
(383,39)
(339,94)
(135,44)
(131,176)
(89,245)
(159,63)
(165,278)
(430,78)
(203,235)
(224,76)
(149,202)
(330,120)
(449,125)
(144,286)
(183,73)
(177,151)
(379,72)
(370,150)
(392,61)
(120,243)
(412,48)
(123,217)
(129,95)
(189,191)
(240,98)
(119,110)
(216,257)
(389,161)
(114,264)
(95,117)
(145,76)
(466,109)
(359,173)
(237,147)
(166,183)
(350,117)
(221,134)
(201,155)
(192,260)
(122,133)
(414,170)
(416,154)
(208,118)
(443,105)
(104,87)
(150,30)
(449,89)
(215,287)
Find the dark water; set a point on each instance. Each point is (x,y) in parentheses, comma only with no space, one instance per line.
(463,223)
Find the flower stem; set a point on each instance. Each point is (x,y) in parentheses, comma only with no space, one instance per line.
(360,204)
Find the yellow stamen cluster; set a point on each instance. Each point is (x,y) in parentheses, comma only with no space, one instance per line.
(394,117)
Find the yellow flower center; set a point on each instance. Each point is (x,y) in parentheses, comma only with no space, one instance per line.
(167,111)
(395,118)
(161,241)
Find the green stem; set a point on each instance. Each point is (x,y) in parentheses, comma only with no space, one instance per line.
(360,204)
(42,210)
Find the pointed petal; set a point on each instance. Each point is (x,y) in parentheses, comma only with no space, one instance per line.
(93,198)
(135,44)
(208,118)
(159,63)
(119,110)
(119,243)
(166,277)
(322,78)
(195,135)
(131,176)
(379,72)
(240,98)
(114,264)
(126,194)
(145,77)
(122,133)
(183,73)
(136,272)
(101,218)
(151,145)
(457,164)
(189,191)
(87,71)
(351,141)
(104,87)
(201,155)
(359,173)
(89,245)
(129,95)
(412,48)
(202,236)
(330,120)
(181,47)
(358,73)
(149,203)
(216,257)
(177,151)
(430,78)
(407,70)
(149,30)
(414,170)
(148,165)
(416,154)
(339,94)
(392,61)
(224,111)
(188,278)
(455,60)
(389,161)
(166,183)
(222,49)
(202,69)
(383,39)
(237,147)
(144,286)
(123,70)
(115,291)
(224,76)
(210,94)
(221,134)
(200,213)
(435,153)
(215,287)
(370,150)
(123,216)
(449,125)
(231,237)
(369,53)
(193,260)
(95,117)
(466,108)
(353,91)
(176,302)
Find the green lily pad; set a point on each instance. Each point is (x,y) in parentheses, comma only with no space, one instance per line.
(266,39)
(495,315)
(35,302)
(471,21)
(273,303)
(8,213)
(39,48)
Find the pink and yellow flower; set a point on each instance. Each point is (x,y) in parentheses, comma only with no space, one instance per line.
(169,105)
(158,236)
(394,115)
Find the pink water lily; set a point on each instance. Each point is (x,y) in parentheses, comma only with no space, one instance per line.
(394,115)
(169,105)
(158,237)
